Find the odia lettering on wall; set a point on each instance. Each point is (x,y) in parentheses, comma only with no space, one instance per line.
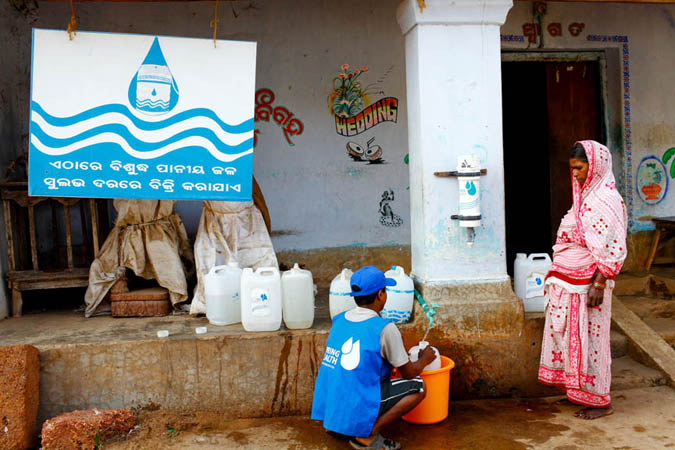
(264,111)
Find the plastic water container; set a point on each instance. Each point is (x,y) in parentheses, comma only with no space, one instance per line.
(339,298)
(261,299)
(400,297)
(221,289)
(433,365)
(529,273)
(297,296)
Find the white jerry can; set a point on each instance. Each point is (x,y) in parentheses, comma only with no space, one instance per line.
(261,299)
(297,298)
(339,294)
(400,297)
(221,290)
(529,273)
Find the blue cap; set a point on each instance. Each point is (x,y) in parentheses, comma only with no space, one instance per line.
(369,280)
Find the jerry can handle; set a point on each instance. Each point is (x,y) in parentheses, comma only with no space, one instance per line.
(266,271)
(534,256)
(214,269)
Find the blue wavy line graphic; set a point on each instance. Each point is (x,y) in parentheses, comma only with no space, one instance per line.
(106,147)
(136,143)
(149,102)
(243,127)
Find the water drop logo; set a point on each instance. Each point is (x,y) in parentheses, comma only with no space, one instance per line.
(153,89)
(471,187)
(351,354)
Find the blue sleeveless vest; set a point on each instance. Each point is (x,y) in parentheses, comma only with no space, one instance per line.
(347,389)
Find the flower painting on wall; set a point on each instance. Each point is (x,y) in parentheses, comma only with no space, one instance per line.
(348,97)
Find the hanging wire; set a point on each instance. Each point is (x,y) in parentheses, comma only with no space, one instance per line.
(214,22)
(73,23)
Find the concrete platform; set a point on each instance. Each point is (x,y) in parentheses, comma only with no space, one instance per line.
(106,362)
(643,419)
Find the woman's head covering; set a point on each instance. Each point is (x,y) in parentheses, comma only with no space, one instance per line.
(599,211)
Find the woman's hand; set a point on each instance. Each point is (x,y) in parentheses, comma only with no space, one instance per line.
(595,296)
(597,292)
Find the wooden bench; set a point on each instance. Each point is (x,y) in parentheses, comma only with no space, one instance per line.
(665,230)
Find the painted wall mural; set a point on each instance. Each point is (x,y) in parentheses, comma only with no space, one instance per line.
(387,216)
(667,155)
(372,153)
(651,180)
(264,111)
(350,105)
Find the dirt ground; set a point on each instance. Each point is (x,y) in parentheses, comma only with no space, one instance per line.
(644,419)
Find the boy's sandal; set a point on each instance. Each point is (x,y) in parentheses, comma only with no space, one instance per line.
(380,443)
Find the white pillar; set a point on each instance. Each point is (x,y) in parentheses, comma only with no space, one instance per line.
(453,77)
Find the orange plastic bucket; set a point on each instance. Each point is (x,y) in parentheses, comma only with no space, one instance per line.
(434,407)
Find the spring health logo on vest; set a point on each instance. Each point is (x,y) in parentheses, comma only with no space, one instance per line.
(350,355)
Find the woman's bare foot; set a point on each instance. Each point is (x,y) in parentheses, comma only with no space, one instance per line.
(594,413)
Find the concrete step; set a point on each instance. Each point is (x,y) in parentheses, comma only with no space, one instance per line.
(644,344)
(658,313)
(632,284)
(629,374)
(664,327)
(645,307)
(659,282)
(618,343)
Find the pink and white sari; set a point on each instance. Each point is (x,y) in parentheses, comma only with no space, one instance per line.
(575,354)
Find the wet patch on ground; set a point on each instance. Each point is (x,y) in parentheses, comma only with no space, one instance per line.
(505,424)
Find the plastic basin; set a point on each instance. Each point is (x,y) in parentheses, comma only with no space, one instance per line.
(434,407)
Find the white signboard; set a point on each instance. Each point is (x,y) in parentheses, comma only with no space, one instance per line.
(132,116)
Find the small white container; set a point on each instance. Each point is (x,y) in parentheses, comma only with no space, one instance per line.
(339,294)
(400,297)
(433,365)
(529,273)
(297,298)
(261,299)
(221,290)
(162,333)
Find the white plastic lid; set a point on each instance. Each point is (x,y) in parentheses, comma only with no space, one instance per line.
(162,333)
(200,330)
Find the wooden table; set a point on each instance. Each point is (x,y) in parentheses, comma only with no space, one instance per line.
(665,230)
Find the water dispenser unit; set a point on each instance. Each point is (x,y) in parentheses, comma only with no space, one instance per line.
(468,175)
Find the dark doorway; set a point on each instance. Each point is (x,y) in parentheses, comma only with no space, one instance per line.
(547,106)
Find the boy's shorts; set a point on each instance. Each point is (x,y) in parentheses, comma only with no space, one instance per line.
(393,391)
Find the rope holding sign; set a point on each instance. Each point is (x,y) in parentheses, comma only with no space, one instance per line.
(214,22)
(71,26)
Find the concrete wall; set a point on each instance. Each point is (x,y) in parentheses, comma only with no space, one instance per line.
(319,198)
(640,117)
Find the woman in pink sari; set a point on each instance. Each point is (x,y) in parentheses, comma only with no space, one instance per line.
(589,252)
